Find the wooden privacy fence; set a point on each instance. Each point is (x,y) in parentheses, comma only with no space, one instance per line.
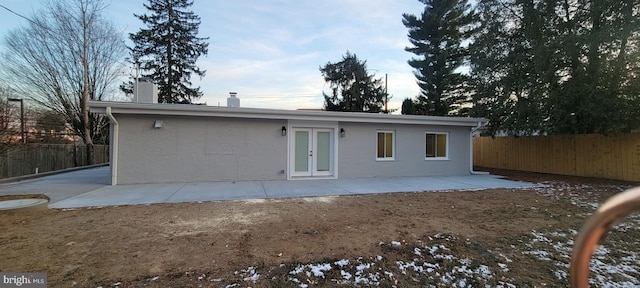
(27,159)
(592,155)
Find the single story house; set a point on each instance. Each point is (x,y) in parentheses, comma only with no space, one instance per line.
(163,143)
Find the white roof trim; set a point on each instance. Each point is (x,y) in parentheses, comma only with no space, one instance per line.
(255,113)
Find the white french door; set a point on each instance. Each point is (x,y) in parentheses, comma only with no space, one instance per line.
(311,152)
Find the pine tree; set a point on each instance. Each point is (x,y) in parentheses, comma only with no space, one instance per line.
(512,67)
(595,96)
(410,107)
(557,67)
(437,38)
(168,49)
(353,88)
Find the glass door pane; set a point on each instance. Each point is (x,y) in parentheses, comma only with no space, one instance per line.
(323,151)
(312,152)
(301,154)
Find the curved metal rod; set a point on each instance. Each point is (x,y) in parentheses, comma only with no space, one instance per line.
(610,213)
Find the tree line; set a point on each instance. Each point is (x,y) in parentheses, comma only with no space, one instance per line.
(531,67)
(561,67)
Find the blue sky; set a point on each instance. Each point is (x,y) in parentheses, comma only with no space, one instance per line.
(270,51)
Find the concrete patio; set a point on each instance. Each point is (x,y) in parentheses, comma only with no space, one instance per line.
(91,188)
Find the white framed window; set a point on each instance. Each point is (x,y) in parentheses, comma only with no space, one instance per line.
(385,147)
(436,146)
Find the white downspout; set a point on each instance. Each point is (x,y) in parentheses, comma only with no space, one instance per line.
(114,147)
(474,129)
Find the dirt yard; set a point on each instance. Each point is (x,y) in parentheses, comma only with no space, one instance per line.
(500,238)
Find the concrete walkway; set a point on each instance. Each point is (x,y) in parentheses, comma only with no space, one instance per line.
(61,186)
(90,188)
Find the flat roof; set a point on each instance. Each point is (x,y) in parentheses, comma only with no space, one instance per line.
(258,113)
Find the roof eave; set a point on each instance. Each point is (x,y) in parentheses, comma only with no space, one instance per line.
(236,112)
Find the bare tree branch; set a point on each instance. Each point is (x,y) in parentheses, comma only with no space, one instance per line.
(74,59)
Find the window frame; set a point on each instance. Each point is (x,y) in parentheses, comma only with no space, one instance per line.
(393,145)
(435,157)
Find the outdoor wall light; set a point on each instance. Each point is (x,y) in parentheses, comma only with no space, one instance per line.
(284,131)
(342,132)
(157,124)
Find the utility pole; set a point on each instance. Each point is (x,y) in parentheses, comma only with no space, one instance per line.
(386,94)
(85,87)
(24,138)
(136,100)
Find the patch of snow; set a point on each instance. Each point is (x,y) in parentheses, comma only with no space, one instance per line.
(505,284)
(342,263)
(297,270)
(541,254)
(484,271)
(560,274)
(363,266)
(605,270)
(345,275)
(505,257)
(250,274)
(318,270)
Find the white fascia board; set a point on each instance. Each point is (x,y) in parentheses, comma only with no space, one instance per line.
(255,113)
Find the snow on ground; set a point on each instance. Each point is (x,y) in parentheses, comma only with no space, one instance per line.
(613,264)
(434,263)
(607,269)
(249,274)
(439,264)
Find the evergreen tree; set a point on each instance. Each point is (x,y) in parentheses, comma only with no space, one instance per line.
(512,67)
(601,59)
(353,88)
(410,107)
(437,38)
(557,67)
(168,49)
